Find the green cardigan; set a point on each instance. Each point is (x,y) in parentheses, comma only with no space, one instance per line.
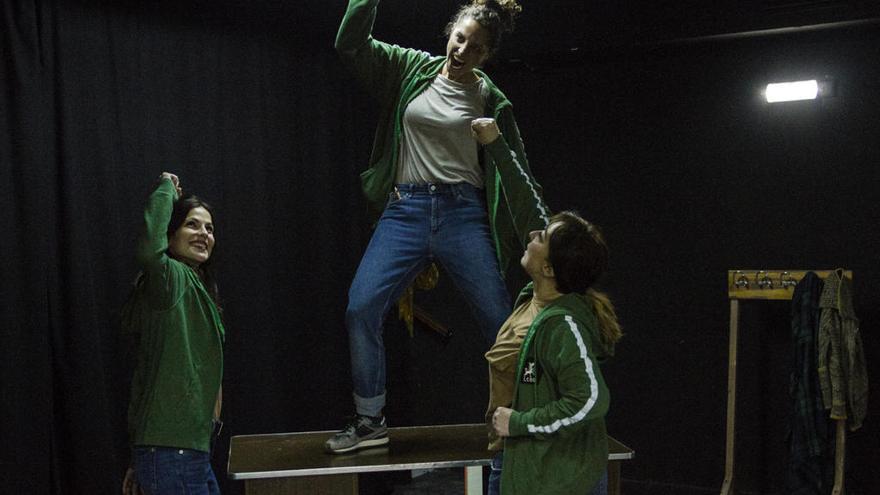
(395,76)
(180,353)
(558,443)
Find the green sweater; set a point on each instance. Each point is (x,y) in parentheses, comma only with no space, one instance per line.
(395,76)
(180,353)
(558,443)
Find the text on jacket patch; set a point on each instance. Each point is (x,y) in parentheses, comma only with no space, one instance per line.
(530,372)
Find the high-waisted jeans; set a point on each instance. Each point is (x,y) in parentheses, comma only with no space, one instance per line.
(446,223)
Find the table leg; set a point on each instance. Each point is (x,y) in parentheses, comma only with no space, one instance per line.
(473,480)
(614,478)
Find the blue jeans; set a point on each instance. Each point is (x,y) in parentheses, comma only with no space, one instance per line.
(495,474)
(446,223)
(601,487)
(170,471)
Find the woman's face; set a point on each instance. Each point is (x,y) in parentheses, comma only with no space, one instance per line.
(536,259)
(467,48)
(193,241)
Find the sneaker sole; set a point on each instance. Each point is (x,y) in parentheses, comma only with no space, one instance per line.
(361,445)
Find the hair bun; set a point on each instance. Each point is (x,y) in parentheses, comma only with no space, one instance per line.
(506,10)
(510,7)
(495,15)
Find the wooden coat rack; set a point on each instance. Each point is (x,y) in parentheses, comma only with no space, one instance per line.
(767,285)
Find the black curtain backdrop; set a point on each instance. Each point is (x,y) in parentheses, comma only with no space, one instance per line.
(98,99)
(668,147)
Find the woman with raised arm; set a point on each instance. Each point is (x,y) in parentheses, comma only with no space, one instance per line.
(448,181)
(173,312)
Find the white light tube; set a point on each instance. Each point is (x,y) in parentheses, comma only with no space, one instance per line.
(792,91)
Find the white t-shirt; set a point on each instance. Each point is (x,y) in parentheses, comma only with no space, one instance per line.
(437,145)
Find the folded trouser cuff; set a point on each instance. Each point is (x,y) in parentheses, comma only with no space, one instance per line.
(369,406)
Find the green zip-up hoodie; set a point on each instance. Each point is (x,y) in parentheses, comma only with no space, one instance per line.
(180,353)
(558,443)
(395,76)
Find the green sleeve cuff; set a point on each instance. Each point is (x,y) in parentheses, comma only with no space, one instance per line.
(517,426)
(499,150)
(167,186)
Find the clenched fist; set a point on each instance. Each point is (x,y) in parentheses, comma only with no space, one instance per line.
(485,130)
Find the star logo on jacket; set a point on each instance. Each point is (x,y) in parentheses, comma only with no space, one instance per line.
(530,372)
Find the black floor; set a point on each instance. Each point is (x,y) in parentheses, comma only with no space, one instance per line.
(440,481)
(436,482)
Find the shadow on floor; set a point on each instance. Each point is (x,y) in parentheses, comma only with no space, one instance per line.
(436,482)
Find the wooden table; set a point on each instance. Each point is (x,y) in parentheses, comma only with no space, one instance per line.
(295,463)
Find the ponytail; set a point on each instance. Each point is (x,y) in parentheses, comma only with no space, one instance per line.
(609,328)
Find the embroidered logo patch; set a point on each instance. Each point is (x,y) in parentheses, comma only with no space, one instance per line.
(529,373)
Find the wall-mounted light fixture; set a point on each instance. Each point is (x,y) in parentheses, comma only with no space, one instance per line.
(798,90)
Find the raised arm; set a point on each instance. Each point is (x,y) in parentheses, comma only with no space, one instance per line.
(154,238)
(355,32)
(524,195)
(163,277)
(380,66)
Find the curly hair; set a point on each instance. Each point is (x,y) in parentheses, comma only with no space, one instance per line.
(496,16)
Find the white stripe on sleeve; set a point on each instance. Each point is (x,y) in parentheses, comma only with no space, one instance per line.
(539,205)
(594,387)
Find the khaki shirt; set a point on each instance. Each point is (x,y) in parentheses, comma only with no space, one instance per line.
(502,358)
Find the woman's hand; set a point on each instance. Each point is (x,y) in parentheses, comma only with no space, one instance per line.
(501,421)
(174,180)
(129,483)
(485,130)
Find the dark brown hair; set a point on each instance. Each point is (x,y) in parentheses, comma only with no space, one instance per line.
(579,256)
(577,252)
(180,210)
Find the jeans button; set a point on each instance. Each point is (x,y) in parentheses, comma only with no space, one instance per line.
(433,188)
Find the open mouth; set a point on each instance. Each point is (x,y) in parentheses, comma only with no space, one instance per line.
(199,246)
(455,63)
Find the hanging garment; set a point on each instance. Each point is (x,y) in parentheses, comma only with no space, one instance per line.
(810,469)
(842,372)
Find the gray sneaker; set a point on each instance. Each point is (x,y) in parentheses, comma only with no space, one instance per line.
(361,432)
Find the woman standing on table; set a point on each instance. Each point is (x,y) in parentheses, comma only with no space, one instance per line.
(176,389)
(448,178)
(548,399)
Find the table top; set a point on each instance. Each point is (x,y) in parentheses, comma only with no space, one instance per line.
(281,455)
